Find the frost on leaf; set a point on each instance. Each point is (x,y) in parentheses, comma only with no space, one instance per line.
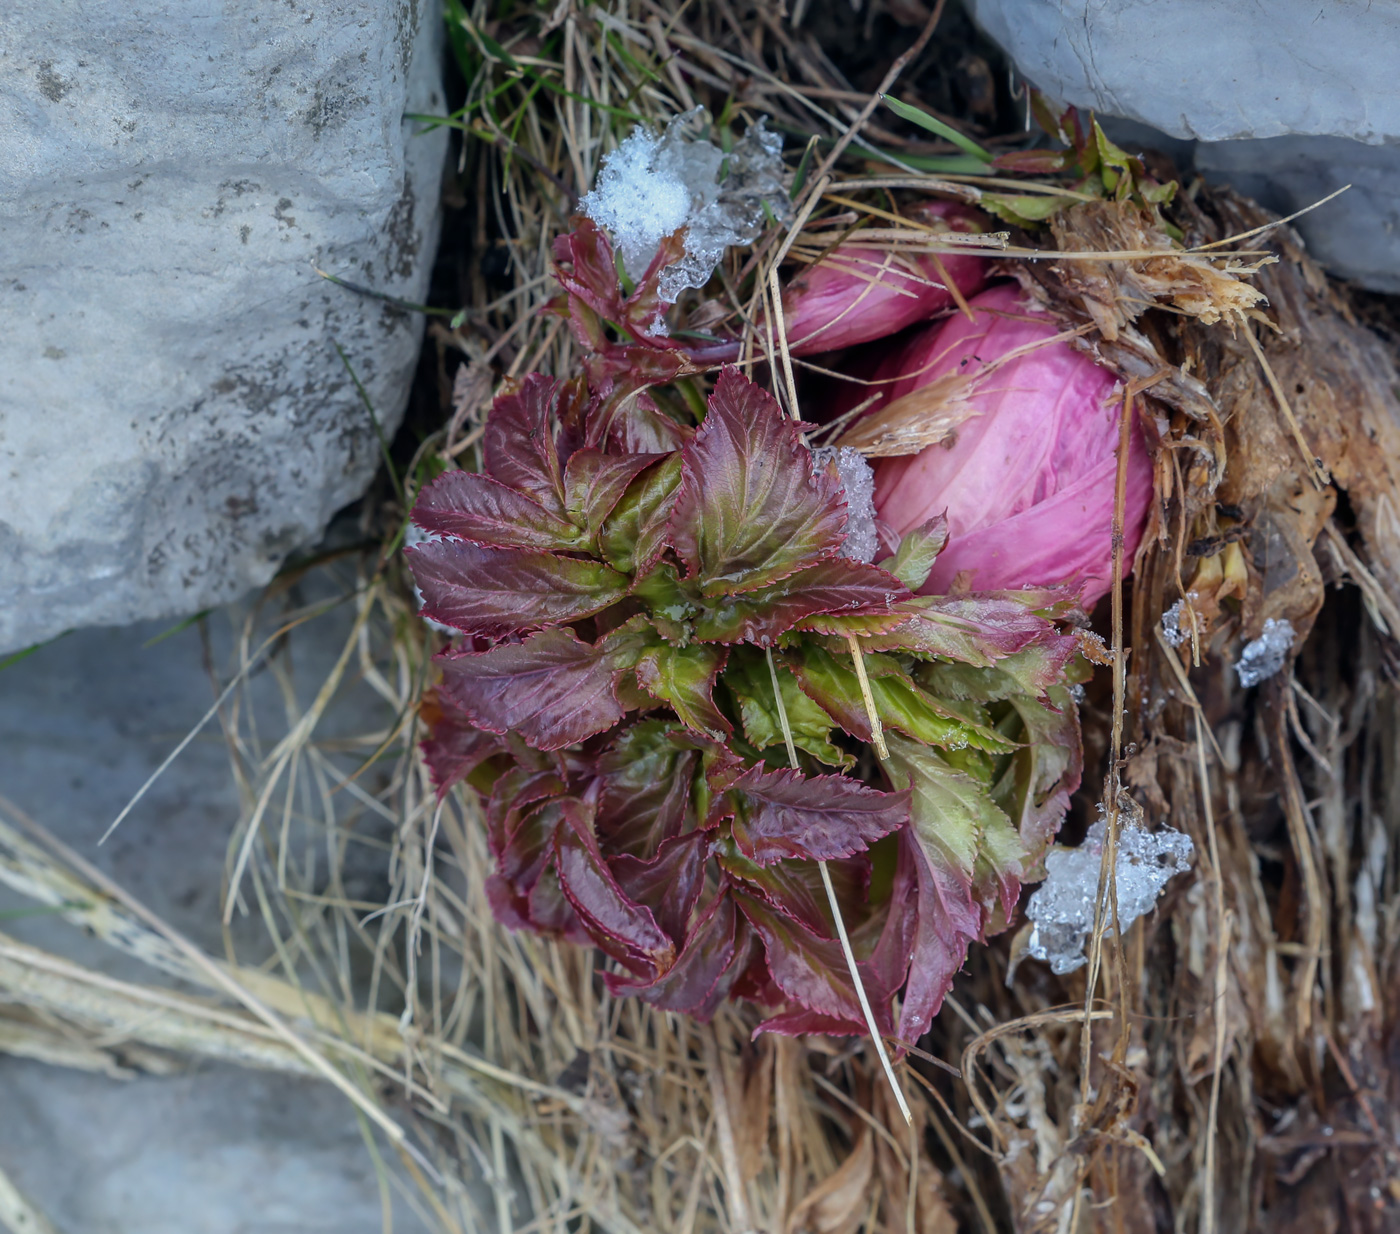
(1063,906)
(650,187)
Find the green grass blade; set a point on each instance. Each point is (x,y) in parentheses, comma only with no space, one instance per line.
(374,419)
(916,115)
(23,654)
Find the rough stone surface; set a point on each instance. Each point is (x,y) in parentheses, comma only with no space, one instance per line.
(1357,236)
(174,417)
(1213,70)
(1286,101)
(211,1149)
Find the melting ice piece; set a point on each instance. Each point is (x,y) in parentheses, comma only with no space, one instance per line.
(1062,908)
(859,482)
(1265,655)
(650,186)
(1171,625)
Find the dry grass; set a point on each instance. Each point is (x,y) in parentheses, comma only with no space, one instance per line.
(1224,1066)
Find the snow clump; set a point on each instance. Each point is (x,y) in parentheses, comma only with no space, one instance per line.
(651,186)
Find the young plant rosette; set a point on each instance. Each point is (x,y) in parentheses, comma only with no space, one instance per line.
(649,608)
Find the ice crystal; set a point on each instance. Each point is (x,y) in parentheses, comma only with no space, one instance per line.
(651,186)
(1171,625)
(1062,908)
(1265,655)
(857,478)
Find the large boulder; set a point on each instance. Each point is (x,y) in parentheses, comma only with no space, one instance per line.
(174,415)
(1287,100)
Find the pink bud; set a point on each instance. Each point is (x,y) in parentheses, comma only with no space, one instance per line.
(853,294)
(1027,481)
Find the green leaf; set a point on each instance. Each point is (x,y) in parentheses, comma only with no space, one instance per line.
(918,550)
(916,115)
(943,164)
(634,534)
(831,681)
(799,178)
(1028,210)
(749,681)
(1039,779)
(952,814)
(753,508)
(670,601)
(595,482)
(685,678)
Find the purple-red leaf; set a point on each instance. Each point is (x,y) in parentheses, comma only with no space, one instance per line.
(553,689)
(705,969)
(888,966)
(622,419)
(670,883)
(519,441)
(753,507)
(795,888)
(948,920)
(802,1023)
(529,846)
(645,789)
(808,969)
(782,814)
(638,425)
(510,907)
(496,592)
(978,630)
(471,506)
(550,910)
(515,791)
(454,747)
(837,585)
(684,677)
(600,902)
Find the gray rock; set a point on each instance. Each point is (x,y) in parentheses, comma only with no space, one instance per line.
(1357,236)
(211,1149)
(1287,102)
(174,417)
(1213,70)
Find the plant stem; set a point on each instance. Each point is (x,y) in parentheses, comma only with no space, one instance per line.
(841,934)
(877,732)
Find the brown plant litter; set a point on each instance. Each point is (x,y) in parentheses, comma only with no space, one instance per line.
(1228,1065)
